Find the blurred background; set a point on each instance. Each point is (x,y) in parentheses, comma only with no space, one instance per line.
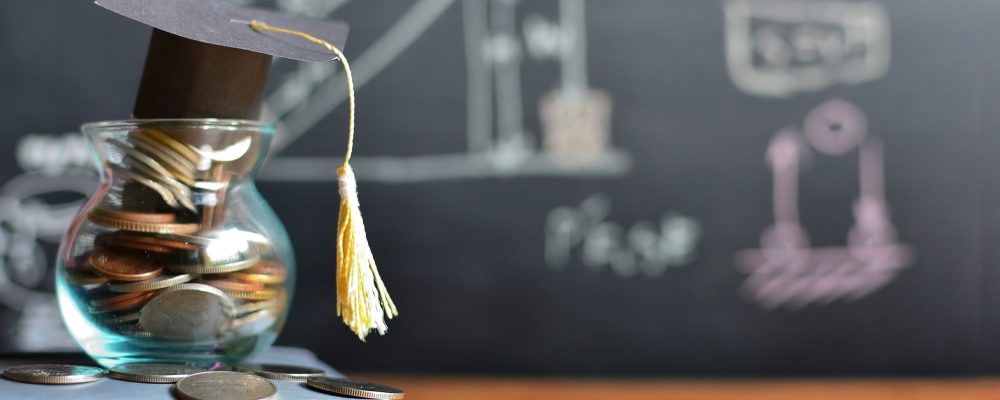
(641,187)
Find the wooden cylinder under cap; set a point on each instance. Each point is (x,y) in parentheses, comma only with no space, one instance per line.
(186,78)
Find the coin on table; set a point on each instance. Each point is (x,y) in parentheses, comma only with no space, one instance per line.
(53,374)
(189,311)
(160,282)
(225,385)
(152,372)
(125,267)
(280,371)
(351,387)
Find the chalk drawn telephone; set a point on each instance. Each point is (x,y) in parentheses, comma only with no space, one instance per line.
(786,270)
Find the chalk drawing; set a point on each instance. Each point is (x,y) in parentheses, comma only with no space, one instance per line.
(778,48)
(647,249)
(786,271)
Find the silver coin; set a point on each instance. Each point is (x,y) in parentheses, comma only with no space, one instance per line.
(166,194)
(225,385)
(253,323)
(189,311)
(247,308)
(160,282)
(53,374)
(152,373)
(223,255)
(280,371)
(351,387)
(165,155)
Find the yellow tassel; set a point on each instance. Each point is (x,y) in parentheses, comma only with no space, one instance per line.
(362,300)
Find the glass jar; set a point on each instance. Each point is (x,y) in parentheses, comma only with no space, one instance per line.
(176,257)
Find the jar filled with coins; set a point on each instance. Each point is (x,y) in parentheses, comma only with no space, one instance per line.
(176,256)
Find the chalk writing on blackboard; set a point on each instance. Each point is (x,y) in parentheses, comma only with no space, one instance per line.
(575,137)
(777,48)
(647,249)
(35,209)
(786,270)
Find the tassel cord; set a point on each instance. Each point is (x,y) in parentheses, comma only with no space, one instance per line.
(362,299)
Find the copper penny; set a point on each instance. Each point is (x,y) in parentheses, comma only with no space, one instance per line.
(116,298)
(125,304)
(130,243)
(153,218)
(125,267)
(232,284)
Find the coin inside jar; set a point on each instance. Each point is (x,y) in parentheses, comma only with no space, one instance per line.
(125,267)
(229,284)
(125,304)
(53,374)
(160,282)
(225,385)
(189,311)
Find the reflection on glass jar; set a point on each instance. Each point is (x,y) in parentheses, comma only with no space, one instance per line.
(176,256)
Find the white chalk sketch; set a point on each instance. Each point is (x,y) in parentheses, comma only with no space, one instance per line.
(35,209)
(647,248)
(786,271)
(777,48)
(576,119)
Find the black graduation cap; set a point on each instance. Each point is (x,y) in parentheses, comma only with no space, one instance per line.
(205,61)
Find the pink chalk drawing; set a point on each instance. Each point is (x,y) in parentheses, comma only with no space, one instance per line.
(786,271)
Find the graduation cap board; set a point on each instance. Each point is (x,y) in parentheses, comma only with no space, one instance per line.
(209,59)
(206,61)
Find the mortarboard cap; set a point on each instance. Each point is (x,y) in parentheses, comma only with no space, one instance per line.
(205,61)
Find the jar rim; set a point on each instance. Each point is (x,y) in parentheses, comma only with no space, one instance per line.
(266,128)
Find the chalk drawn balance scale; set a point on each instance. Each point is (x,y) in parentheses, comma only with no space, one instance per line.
(176,257)
(785,270)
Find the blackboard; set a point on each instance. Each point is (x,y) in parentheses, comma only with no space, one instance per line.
(642,187)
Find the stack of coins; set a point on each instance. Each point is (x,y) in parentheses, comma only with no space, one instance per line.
(172,271)
(249,382)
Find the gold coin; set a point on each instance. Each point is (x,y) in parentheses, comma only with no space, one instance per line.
(231,284)
(144,226)
(181,148)
(181,168)
(266,294)
(165,149)
(266,272)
